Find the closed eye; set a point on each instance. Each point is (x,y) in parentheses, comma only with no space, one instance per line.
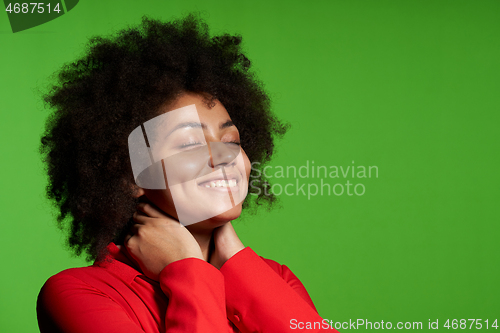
(194,144)
(189,144)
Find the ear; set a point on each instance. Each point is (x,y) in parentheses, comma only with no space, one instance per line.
(138,191)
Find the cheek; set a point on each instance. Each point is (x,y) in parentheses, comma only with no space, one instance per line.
(248,165)
(186,166)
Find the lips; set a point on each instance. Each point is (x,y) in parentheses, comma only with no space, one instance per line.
(221,183)
(217,181)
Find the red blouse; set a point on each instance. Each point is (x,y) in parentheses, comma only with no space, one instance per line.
(248,294)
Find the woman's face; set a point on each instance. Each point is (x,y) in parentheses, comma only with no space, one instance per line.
(206,170)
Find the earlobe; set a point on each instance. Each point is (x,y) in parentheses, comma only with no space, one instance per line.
(138,191)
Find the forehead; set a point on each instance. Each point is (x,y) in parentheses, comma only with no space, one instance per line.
(163,125)
(207,113)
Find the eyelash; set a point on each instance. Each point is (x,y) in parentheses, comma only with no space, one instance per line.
(195,143)
(189,144)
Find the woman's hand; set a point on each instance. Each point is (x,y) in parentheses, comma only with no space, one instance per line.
(227,244)
(157,240)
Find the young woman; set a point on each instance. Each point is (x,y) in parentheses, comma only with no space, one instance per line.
(148,153)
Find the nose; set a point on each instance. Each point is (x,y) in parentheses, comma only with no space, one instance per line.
(223,154)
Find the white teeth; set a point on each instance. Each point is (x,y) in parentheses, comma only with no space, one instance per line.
(222,183)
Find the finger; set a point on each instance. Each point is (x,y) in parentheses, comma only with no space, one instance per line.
(132,232)
(140,218)
(141,213)
(128,237)
(153,211)
(150,210)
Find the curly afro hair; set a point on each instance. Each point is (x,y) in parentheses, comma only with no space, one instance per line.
(119,83)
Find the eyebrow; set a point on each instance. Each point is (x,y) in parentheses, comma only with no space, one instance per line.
(227,124)
(194,124)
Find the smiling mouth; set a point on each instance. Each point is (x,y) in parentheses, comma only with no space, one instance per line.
(220,183)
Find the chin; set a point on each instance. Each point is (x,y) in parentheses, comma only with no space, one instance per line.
(229,215)
(217,221)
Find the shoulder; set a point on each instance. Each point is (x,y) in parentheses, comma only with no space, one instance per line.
(71,275)
(277,267)
(248,257)
(77,275)
(284,272)
(74,296)
(74,283)
(77,289)
(106,275)
(63,291)
(64,282)
(291,279)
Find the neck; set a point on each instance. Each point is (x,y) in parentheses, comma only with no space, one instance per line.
(204,239)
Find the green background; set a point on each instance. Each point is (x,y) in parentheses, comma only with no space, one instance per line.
(409,86)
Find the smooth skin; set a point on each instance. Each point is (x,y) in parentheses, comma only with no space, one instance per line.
(158,239)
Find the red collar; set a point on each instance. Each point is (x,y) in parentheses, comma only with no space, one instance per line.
(118,263)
